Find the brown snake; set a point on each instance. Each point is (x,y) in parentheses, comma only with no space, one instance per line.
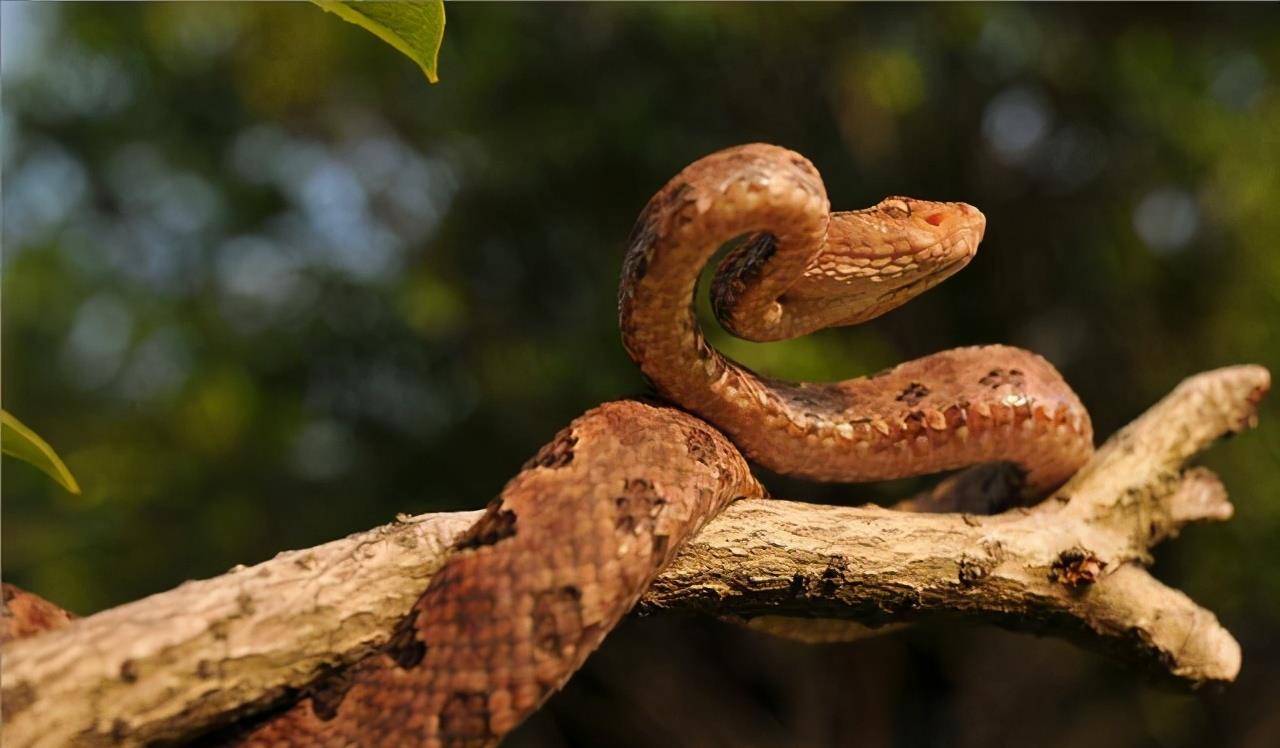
(575,538)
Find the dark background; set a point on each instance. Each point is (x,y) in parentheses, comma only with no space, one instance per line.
(263,286)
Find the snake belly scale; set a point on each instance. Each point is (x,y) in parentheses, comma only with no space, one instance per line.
(574,539)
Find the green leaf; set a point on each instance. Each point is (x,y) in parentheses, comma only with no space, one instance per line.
(415,28)
(21,442)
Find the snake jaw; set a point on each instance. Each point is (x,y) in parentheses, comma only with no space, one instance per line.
(943,238)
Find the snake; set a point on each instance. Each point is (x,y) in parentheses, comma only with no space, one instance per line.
(574,539)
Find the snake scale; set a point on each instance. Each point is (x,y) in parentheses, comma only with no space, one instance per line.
(575,538)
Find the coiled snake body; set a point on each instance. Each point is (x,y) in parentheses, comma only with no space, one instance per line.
(575,538)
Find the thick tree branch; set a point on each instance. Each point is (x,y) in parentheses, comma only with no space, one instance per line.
(178,662)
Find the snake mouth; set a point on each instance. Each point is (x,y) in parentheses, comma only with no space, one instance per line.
(924,282)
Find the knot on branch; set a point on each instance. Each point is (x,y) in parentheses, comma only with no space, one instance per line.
(1077,567)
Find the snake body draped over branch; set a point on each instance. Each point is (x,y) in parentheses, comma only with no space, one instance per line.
(573,540)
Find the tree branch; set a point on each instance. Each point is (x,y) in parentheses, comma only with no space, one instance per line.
(173,664)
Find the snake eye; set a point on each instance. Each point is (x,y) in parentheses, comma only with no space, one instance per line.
(896,208)
(934,219)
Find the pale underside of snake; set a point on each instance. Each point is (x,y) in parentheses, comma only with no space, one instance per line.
(574,539)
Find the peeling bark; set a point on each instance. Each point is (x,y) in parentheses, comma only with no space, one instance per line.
(174,664)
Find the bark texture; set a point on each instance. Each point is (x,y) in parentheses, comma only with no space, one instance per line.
(174,664)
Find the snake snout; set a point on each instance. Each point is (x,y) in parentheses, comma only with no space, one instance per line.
(975,221)
(967,226)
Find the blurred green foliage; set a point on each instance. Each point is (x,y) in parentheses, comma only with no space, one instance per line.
(264,287)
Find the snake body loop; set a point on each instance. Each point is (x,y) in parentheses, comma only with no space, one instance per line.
(576,537)
(802,269)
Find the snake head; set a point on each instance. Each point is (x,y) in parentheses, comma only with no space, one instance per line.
(923,233)
(872,261)
(881,257)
